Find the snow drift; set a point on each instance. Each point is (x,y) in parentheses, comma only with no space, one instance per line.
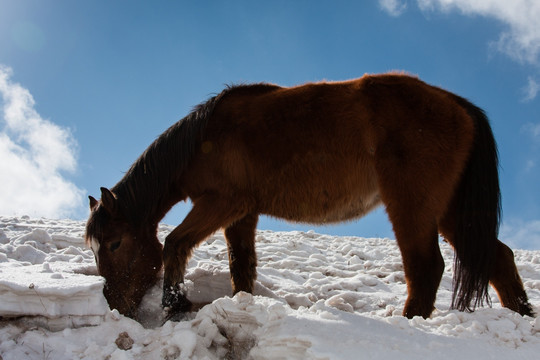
(316,297)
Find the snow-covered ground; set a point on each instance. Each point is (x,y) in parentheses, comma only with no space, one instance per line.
(317,297)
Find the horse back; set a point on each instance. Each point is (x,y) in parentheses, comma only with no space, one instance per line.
(315,153)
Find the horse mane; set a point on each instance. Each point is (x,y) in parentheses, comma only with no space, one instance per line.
(144,191)
(150,176)
(250,89)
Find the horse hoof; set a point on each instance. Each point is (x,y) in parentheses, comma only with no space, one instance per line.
(176,316)
(175,303)
(178,312)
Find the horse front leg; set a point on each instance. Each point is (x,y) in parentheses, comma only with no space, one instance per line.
(209,214)
(176,253)
(242,256)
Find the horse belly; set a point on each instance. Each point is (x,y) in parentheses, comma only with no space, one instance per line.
(327,197)
(342,210)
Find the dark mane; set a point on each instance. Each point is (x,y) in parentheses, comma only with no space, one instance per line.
(180,139)
(146,185)
(252,89)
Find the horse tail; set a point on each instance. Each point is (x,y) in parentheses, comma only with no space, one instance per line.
(478,213)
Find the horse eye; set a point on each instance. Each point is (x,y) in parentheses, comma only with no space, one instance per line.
(115,245)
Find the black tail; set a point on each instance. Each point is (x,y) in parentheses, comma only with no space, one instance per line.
(478,201)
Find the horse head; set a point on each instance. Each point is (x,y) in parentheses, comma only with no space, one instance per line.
(128,256)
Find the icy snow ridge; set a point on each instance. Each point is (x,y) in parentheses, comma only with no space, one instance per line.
(49,276)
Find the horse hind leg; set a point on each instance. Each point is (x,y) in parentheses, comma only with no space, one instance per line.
(507,282)
(504,276)
(422,262)
(415,228)
(240,238)
(412,210)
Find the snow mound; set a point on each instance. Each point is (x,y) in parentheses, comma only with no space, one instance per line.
(48,275)
(316,297)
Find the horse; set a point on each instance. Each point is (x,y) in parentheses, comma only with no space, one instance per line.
(319,153)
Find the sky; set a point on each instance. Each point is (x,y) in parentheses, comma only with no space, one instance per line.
(86,86)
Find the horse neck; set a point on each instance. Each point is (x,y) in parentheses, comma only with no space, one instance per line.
(152,186)
(145,193)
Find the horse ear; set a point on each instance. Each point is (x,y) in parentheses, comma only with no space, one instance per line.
(108,201)
(93,202)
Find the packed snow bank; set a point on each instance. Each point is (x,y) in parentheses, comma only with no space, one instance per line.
(48,275)
(316,297)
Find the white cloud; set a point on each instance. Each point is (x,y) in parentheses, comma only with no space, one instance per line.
(34,153)
(531,90)
(521,40)
(521,234)
(393,7)
(530,165)
(533,130)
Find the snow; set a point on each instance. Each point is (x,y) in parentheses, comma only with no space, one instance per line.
(316,297)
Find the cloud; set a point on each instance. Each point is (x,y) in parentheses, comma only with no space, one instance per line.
(521,38)
(35,153)
(521,41)
(393,7)
(521,234)
(531,90)
(533,132)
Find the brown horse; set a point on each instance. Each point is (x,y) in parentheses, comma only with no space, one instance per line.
(317,153)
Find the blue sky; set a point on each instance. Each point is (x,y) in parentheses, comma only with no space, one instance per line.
(87,85)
